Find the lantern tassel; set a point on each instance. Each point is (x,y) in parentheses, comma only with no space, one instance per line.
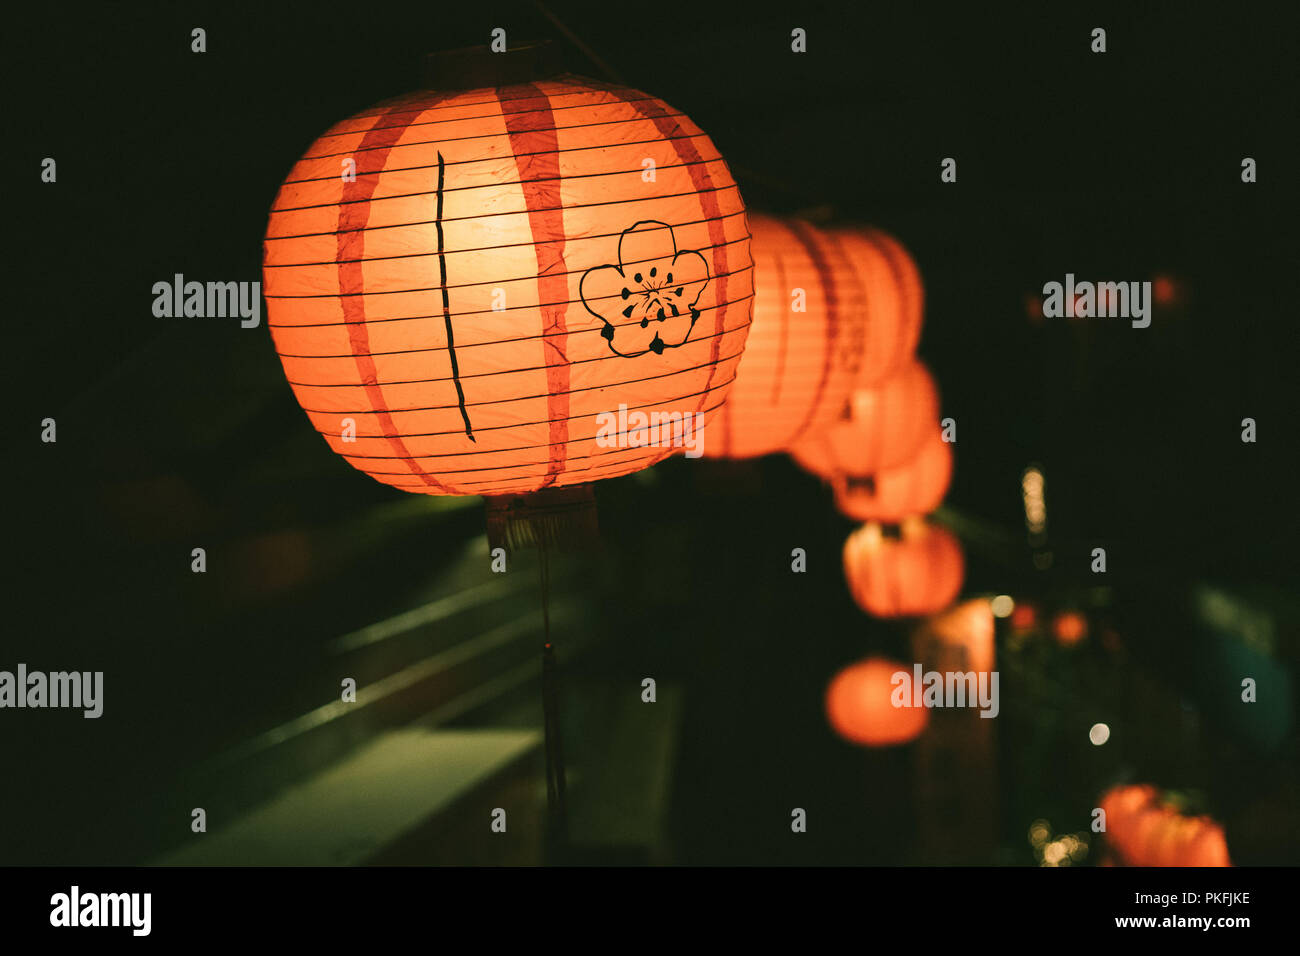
(558,517)
(555,779)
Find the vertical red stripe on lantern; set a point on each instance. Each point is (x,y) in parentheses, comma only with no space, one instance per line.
(829,293)
(535,143)
(354,214)
(709,207)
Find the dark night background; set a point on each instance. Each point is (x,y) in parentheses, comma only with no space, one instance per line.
(177,433)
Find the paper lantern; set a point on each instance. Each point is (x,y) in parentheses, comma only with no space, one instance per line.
(881,427)
(920,572)
(1142,829)
(806,345)
(1070,627)
(891,494)
(961,638)
(891,286)
(860,707)
(508,289)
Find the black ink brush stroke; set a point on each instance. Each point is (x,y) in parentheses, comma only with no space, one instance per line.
(446,310)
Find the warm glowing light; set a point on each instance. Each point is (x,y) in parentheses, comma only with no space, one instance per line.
(1070,627)
(884,426)
(1166,290)
(805,352)
(1024,617)
(1039,832)
(1099,734)
(1002,605)
(1031,486)
(466,308)
(1144,830)
(964,635)
(918,573)
(860,707)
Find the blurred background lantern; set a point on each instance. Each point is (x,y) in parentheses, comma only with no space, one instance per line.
(919,572)
(1147,828)
(960,638)
(880,427)
(459,284)
(806,347)
(891,494)
(894,296)
(1070,627)
(860,707)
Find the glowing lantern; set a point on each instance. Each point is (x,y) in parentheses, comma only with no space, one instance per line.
(1144,830)
(881,427)
(806,344)
(960,638)
(918,573)
(1024,617)
(466,287)
(1070,627)
(894,296)
(892,494)
(860,708)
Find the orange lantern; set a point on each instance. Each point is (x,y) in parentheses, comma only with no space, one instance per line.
(1144,830)
(960,638)
(483,292)
(881,427)
(806,344)
(1070,627)
(894,297)
(860,705)
(915,487)
(1024,617)
(920,572)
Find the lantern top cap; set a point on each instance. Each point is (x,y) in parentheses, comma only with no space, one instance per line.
(474,67)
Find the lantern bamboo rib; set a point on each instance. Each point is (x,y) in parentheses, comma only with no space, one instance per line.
(606,453)
(540,395)
(565,241)
(445,141)
(532,368)
(573,207)
(622,123)
(704,392)
(494,114)
(519,338)
(434,350)
(607,103)
(550,87)
(715,161)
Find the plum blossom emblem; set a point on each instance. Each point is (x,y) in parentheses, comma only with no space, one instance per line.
(647,301)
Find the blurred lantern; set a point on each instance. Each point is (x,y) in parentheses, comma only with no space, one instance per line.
(1145,830)
(1024,617)
(1070,627)
(1166,290)
(960,638)
(860,705)
(881,427)
(806,344)
(464,286)
(891,494)
(891,284)
(920,572)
